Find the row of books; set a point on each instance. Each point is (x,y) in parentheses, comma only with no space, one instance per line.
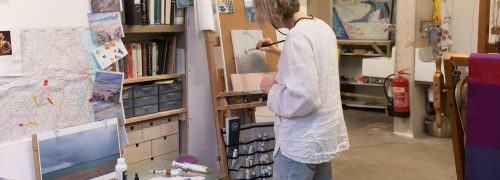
(144,12)
(155,57)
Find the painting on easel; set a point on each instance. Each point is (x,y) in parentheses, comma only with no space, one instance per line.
(362,19)
(247,60)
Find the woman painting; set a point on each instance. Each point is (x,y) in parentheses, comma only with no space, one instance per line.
(310,130)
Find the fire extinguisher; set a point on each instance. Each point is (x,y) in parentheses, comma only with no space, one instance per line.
(401,95)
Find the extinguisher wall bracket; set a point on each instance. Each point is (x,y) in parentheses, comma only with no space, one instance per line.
(402,72)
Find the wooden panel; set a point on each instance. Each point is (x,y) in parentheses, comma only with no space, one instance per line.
(151,130)
(165,144)
(154,116)
(484,24)
(170,127)
(237,21)
(134,133)
(136,152)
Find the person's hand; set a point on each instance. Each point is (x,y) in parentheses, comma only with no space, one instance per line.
(275,49)
(267,83)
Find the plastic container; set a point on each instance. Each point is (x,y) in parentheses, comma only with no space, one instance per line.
(167,106)
(121,169)
(174,96)
(167,88)
(128,93)
(147,90)
(129,113)
(128,103)
(144,110)
(144,101)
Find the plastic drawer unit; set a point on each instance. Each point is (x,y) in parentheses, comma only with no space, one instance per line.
(167,106)
(144,101)
(173,96)
(168,88)
(144,110)
(147,90)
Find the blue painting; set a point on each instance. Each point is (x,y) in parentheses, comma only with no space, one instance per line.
(362,19)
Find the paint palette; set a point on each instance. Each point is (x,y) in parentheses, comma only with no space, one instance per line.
(110,53)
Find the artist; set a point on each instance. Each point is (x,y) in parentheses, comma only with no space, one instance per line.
(310,129)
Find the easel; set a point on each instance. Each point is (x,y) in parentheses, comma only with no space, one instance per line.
(452,62)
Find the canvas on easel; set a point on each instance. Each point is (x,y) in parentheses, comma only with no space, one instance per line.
(247,60)
(80,152)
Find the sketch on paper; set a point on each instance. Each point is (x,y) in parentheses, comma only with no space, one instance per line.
(226,6)
(362,19)
(184,3)
(248,61)
(99,6)
(58,58)
(109,53)
(80,152)
(10,53)
(107,96)
(249,11)
(105,26)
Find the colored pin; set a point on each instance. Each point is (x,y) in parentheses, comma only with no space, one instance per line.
(90,100)
(32,123)
(34,100)
(45,83)
(50,101)
(21,125)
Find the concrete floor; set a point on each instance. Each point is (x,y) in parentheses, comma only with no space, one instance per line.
(376,153)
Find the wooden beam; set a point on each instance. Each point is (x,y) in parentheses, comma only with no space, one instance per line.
(243,106)
(151,117)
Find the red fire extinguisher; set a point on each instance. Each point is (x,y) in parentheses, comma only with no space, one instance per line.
(401,89)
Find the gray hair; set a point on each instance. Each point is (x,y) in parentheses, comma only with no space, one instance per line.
(275,11)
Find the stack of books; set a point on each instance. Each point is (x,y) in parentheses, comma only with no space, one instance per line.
(144,12)
(148,58)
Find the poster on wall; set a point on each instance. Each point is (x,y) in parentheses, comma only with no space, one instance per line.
(10,53)
(105,26)
(80,152)
(226,6)
(361,19)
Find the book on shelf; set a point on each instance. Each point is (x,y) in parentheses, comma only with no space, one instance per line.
(148,58)
(146,12)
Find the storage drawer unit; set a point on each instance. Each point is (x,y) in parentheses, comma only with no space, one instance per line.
(134,133)
(144,101)
(138,151)
(147,90)
(127,93)
(144,110)
(152,130)
(165,144)
(129,113)
(128,103)
(173,96)
(168,88)
(167,106)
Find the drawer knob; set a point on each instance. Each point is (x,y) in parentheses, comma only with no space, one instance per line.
(136,145)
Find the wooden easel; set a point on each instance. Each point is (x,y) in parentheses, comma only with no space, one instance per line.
(451,62)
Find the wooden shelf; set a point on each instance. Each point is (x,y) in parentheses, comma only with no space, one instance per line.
(362,84)
(364,42)
(154,116)
(151,78)
(230,94)
(366,55)
(364,96)
(242,106)
(153,28)
(364,106)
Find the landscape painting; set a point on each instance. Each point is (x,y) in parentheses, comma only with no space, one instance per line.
(362,19)
(107,95)
(99,6)
(105,26)
(81,152)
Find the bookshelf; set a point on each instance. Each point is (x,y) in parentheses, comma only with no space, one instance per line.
(151,78)
(136,29)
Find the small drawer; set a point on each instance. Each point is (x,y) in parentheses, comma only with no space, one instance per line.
(139,167)
(165,144)
(164,161)
(147,90)
(167,88)
(134,133)
(127,93)
(128,103)
(167,106)
(151,130)
(170,126)
(129,113)
(144,110)
(137,152)
(147,100)
(170,97)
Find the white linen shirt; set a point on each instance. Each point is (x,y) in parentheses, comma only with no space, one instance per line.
(306,97)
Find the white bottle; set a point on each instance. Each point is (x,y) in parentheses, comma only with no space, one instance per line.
(121,169)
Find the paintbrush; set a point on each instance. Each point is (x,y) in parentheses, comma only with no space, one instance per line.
(265,45)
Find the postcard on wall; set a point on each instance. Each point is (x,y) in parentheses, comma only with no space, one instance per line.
(107,95)
(99,6)
(105,26)
(226,6)
(10,53)
(110,53)
(80,152)
(249,11)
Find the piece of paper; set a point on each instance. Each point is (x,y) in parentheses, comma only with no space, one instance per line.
(105,26)
(110,53)
(59,57)
(226,6)
(99,6)
(247,61)
(107,95)
(184,3)
(80,152)
(10,53)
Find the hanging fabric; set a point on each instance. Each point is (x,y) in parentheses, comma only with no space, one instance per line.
(437,12)
(445,38)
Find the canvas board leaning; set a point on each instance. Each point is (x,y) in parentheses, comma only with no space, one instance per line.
(80,152)
(248,61)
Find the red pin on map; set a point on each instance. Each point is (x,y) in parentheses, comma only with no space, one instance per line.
(90,100)
(21,125)
(45,83)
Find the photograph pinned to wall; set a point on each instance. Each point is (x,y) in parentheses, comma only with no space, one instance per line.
(361,19)
(99,6)
(226,6)
(105,27)
(184,3)
(10,53)
(247,60)
(249,11)
(107,95)
(109,53)
(80,152)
